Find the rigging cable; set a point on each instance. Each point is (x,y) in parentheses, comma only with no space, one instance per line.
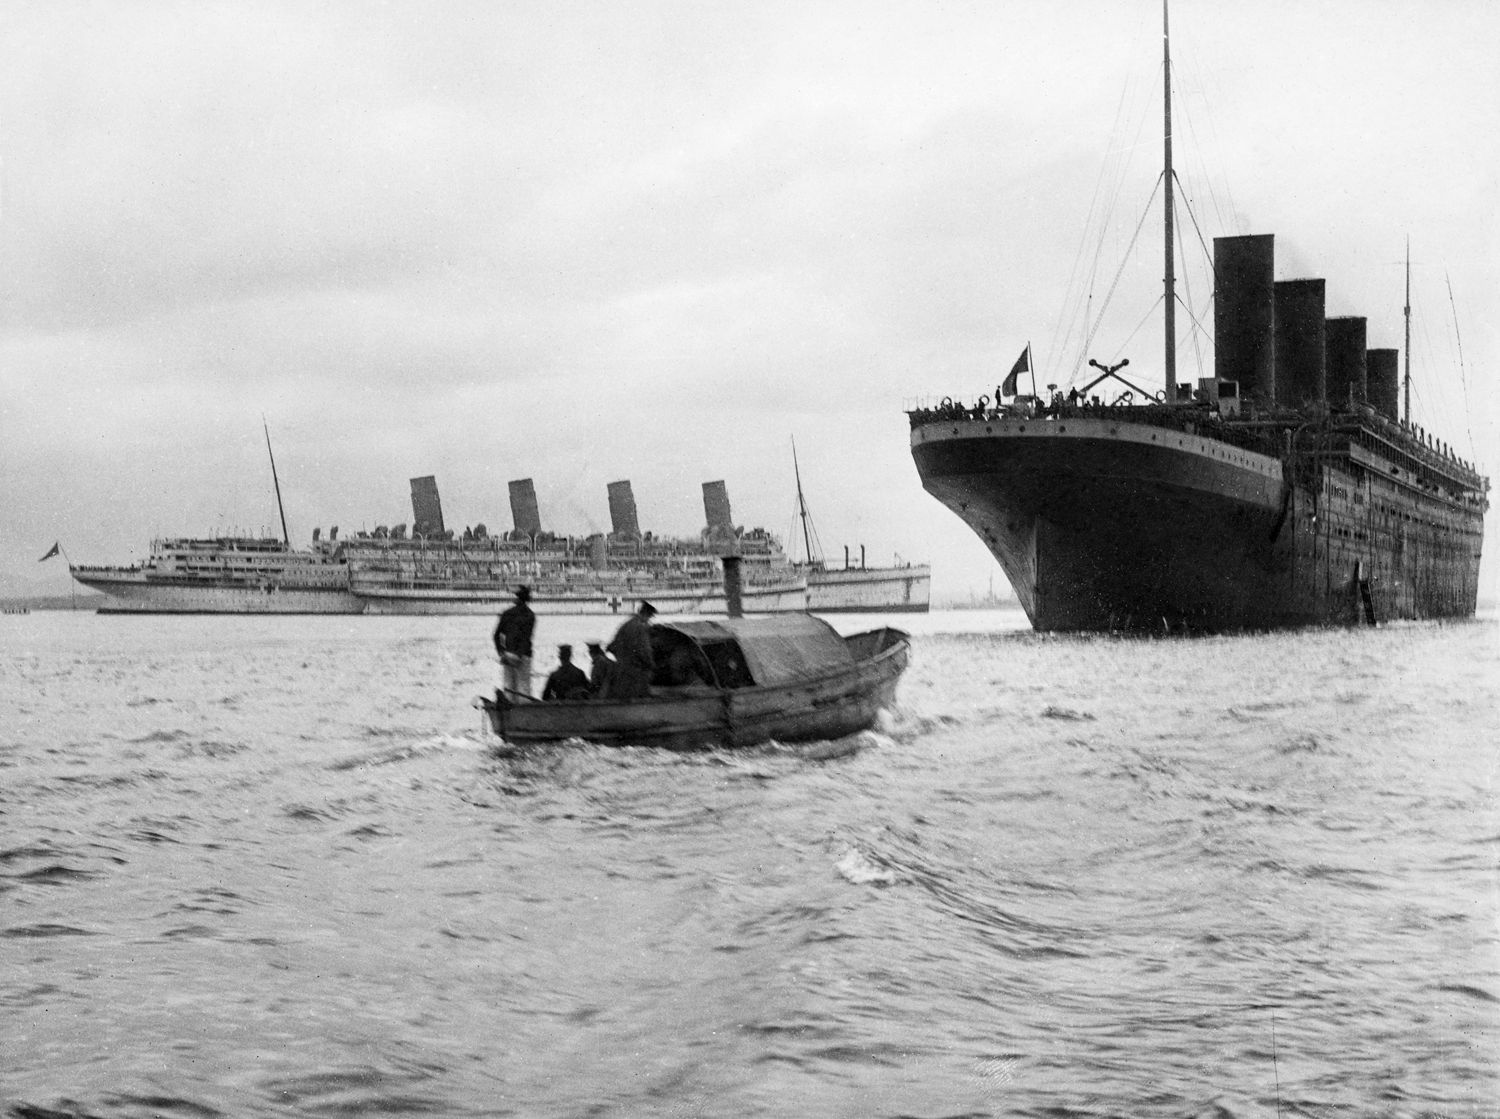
(1088,330)
(1099,220)
(1462,372)
(1088,224)
(1200,79)
(1109,295)
(1144,320)
(1186,272)
(811,545)
(1197,150)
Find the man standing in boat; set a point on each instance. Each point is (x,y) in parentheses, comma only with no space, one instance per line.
(631,648)
(513,643)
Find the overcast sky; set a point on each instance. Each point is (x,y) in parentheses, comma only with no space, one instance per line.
(659,241)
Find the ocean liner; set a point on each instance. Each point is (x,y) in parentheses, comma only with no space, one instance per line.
(226,575)
(229,575)
(1289,489)
(903,588)
(436,571)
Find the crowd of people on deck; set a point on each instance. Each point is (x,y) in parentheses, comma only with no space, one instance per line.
(623,670)
(1021,407)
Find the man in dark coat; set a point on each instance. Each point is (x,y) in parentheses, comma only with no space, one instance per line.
(567,680)
(513,643)
(601,671)
(634,663)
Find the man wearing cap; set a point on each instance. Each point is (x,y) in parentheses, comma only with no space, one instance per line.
(631,648)
(601,671)
(513,643)
(567,680)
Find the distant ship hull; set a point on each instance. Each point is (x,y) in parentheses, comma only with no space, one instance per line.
(385,596)
(869,590)
(128,596)
(1101,523)
(228,575)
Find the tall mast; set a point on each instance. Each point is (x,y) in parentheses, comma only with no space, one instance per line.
(801,506)
(1406,411)
(284,536)
(1170,354)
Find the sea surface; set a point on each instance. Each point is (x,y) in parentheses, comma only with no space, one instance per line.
(274,866)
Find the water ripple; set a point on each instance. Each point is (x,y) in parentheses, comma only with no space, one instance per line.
(1066,877)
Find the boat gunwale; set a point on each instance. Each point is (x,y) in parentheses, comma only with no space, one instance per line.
(864,675)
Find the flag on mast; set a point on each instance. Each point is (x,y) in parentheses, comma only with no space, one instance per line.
(52,551)
(1022,365)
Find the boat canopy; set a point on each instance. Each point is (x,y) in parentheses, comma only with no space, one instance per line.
(743,652)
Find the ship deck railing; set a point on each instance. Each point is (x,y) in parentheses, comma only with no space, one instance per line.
(1189,419)
(1317,432)
(589,589)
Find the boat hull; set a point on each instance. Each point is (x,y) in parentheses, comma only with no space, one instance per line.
(705,598)
(134,594)
(1106,524)
(826,706)
(872,590)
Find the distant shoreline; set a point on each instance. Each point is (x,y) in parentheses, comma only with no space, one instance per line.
(82,602)
(976,604)
(92,602)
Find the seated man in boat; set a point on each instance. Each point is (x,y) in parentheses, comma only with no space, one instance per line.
(601,671)
(634,663)
(567,680)
(680,664)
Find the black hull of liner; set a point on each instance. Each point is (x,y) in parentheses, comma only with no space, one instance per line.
(1103,535)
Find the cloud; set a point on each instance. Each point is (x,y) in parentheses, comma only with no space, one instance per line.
(653,240)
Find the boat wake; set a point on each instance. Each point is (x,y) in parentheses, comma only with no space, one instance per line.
(407,751)
(857,867)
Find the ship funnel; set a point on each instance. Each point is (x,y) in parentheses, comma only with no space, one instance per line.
(1383,380)
(622,510)
(426,508)
(1245,314)
(716,509)
(733,590)
(523,507)
(316,533)
(1301,343)
(1346,361)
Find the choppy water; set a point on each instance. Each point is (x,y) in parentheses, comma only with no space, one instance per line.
(273,867)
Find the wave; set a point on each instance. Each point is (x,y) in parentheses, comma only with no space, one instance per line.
(55,874)
(161,736)
(43,930)
(42,851)
(857,867)
(1478,993)
(1067,714)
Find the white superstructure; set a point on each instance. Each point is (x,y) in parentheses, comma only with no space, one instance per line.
(226,575)
(905,588)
